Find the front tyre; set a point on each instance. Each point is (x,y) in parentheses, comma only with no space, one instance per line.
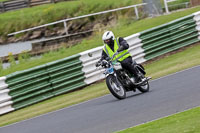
(115,88)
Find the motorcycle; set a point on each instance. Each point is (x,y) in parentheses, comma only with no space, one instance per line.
(119,81)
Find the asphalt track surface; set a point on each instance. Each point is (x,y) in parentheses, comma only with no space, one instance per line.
(168,95)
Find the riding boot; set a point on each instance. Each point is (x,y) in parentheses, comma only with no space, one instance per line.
(129,65)
(135,73)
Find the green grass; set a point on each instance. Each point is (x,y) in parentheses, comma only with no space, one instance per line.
(156,69)
(17,20)
(185,122)
(124,27)
(21,19)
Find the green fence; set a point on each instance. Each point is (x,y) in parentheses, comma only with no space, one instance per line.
(43,82)
(66,74)
(29,86)
(168,37)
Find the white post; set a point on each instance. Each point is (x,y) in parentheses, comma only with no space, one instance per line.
(187,4)
(136,12)
(66,29)
(166,6)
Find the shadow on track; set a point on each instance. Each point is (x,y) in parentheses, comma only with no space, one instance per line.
(130,95)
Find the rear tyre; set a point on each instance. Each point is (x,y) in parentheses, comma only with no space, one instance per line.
(144,88)
(117,90)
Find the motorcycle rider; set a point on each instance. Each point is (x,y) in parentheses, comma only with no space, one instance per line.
(113,45)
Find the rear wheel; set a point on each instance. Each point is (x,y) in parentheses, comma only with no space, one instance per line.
(144,87)
(115,88)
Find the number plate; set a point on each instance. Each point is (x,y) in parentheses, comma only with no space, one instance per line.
(110,70)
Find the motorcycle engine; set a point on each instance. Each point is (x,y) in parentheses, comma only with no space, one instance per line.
(132,80)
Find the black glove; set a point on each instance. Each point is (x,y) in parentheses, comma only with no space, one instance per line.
(121,48)
(98,63)
(104,63)
(107,58)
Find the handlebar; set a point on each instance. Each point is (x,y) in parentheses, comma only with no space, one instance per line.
(107,62)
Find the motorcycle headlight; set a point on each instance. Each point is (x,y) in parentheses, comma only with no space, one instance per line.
(117,66)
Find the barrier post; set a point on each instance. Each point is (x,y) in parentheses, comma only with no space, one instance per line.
(2,6)
(166,6)
(52,1)
(66,29)
(136,12)
(28,3)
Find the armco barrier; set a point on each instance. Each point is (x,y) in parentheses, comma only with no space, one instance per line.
(10,5)
(27,87)
(89,58)
(135,48)
(197,19)
(66,74)
(3,84)
(168,37)
(39,83)
(5,99)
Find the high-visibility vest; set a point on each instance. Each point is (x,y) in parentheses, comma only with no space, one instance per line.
(121,56)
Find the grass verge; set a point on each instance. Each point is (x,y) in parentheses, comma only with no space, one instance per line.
(16,20)
(22,19)
(184,122)
(155,69)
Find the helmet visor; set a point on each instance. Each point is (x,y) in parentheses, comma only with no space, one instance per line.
(107,41)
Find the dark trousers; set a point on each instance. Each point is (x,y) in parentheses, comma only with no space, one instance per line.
(128,64)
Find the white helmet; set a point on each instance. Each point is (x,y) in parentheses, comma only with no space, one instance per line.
(108,36)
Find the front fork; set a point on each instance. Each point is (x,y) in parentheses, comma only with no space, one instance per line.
(116,80)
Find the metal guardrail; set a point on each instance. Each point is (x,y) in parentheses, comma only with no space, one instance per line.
(186,4)
(18,4)
(42,82)
(79,17)
(169,37)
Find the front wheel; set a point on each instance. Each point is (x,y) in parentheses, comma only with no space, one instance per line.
(115,88)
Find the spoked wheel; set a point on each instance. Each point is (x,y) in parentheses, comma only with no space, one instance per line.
(115,88)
